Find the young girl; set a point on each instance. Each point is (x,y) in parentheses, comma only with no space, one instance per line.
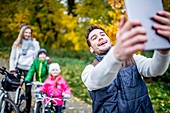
(56,86)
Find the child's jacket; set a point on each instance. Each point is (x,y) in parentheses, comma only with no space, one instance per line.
(56,90)
(41,70)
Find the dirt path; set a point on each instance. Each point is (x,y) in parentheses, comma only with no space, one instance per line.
(77,106)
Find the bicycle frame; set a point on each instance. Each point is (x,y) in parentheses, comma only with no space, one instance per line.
(2,103)
(3,93)
(5,97)
(50,99)
(6,103)
(39,99)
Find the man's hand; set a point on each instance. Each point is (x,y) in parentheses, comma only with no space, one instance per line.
(163,29)
(130,39)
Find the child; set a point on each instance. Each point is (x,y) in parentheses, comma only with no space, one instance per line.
(40,68)
(56,86)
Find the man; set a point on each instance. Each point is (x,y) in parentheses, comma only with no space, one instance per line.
(114,79)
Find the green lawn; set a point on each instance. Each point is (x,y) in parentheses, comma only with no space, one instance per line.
(160,96)
(72,69)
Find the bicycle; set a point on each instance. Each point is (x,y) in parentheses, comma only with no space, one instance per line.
(42,102)
(20,96)
(50,107)
(39,100)
(9,83)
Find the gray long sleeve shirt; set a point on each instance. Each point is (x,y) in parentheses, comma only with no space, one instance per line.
(106,71)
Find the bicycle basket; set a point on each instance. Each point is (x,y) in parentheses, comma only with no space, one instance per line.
(10,83)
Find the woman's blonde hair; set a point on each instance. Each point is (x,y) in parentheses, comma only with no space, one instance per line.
(18,41)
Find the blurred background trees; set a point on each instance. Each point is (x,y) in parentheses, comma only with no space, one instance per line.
(60,25)
(57,24)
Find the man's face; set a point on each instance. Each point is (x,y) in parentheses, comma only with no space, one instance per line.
(100,42)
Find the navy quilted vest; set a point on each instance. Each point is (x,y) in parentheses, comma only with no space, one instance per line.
(126,94)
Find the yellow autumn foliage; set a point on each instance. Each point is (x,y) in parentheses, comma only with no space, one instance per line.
(112,27)
(115,14)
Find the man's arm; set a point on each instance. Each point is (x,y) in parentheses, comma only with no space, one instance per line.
(160,61)
(102,74)
(151,67)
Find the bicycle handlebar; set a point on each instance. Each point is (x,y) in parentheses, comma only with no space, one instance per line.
(3,71)
(35,83)
(49,99)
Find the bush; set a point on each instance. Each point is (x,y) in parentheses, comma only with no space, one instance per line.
(5,52)
(61,52)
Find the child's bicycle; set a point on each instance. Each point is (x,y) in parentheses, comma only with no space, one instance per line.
(53,108)
(39,98)
(9,83)
(42,102)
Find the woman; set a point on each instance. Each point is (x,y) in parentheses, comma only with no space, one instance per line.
(24,51)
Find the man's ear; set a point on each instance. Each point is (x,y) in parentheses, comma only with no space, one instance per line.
(91,50)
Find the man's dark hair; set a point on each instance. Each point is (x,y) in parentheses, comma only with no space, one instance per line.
(89,30)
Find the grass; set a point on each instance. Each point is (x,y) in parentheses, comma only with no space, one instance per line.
(72,68)
(160,96)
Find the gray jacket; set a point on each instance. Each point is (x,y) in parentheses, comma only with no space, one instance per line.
(15,54)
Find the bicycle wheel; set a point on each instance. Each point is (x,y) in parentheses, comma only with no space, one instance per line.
(22,103)
(38,108)
(8,106)
(20,99)
(53,109)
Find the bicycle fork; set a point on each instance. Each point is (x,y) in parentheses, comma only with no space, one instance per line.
(39,100)
(2,103)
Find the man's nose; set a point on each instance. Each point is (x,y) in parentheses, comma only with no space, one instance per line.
(100,37)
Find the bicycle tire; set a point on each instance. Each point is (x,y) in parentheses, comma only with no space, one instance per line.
(8,106)
(38,108)
(20,99)
(22,103)
(51,109)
